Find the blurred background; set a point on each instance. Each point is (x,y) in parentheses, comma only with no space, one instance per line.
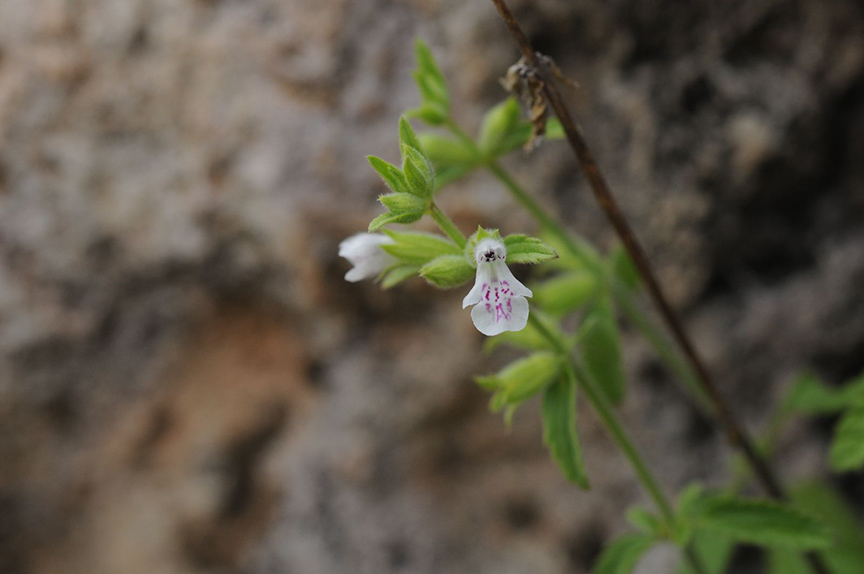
(188,385)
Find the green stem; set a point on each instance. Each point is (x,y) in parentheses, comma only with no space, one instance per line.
(577,375)
(606,413)
(447,226)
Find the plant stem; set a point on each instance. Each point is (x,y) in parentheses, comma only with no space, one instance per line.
(577,375)
(447,226)
(735,432)
(602,193)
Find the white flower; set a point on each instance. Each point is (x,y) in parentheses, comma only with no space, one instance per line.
(365,254)
(499,298)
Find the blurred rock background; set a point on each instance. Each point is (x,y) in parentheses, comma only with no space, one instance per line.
(187,385)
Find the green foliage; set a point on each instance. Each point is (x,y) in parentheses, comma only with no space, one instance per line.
(567,292)
(713,552)
(401,217)
(624,269)
(524,249)
(396,274)
(559,430)
(444,151)
(521,134)
(498,126)
(600,349)
(810,396)
(761,522)
(529,338)
(419,248)
(448,271)
(847,448)
(393,177)
(847,553)
(645,521)
(622,555)
(435,106)
(521,379)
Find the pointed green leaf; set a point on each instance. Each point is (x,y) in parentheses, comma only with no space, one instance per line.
(407,137)
(399,203)
(624,268)
(419,172)
(448,271)
(566,293)
(600,349)
(417,249)
(447,151)
(645,521)
(387,218)
(622,555)
(397,274)
(714,553)
(444,176)
(822,502)
(762,522)
(559,430)
(524,378)
(392,175)
(847,448)
(428,75)
(429,112)
(811,396)
(497,125)
(522,249)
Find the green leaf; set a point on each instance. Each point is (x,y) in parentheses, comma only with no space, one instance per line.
(497,125)
(417,249)
(430,80)
(419,172)
(387,218)
(622,555)
(523,249)
(448,271)
(444,176)
(600,349)
(624,269)
(785,562)
(399,203)
(529,338)
(762,522)
(446,151)
(429,112)
(392,175)
(847,448)
(811,396)
(823,503)
(523,379)
(713,551)
(407,137)
(520,135)
(645,521)
(559,430)
(397,274)
(565,293)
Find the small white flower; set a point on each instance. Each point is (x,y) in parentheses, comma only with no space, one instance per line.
(499,298)
(365,254)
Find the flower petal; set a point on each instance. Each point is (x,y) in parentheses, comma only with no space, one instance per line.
(484,278)
(505,276)
(508,314)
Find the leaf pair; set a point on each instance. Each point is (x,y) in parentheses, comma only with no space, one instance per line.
(413,185)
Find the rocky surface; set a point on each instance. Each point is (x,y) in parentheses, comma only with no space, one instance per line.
(186,383)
